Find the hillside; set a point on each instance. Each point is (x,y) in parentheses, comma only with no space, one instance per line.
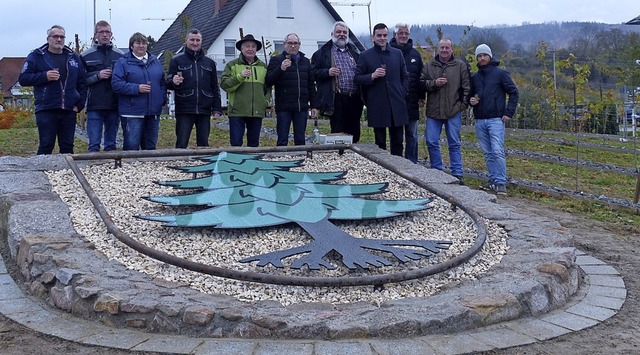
(556,34)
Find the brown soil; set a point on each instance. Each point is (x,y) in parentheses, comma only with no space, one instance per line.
(617,246)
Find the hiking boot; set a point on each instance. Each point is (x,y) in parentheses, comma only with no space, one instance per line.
(501,189)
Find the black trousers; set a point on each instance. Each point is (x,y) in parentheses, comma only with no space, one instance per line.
(184,125)
(396,135)
(346,115)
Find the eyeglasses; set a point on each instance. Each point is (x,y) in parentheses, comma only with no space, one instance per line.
(293,43)
(57,37)
(104,32)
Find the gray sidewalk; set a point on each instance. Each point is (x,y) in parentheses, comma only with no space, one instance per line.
(602,295)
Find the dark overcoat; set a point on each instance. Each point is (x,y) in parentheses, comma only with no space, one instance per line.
(384,97)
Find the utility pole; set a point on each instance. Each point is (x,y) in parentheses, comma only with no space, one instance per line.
(346,3)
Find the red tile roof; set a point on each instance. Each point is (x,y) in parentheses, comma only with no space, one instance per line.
(9,71)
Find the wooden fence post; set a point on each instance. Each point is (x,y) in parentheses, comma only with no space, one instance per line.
(637,195)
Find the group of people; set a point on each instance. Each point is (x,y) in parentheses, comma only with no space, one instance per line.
(390,79)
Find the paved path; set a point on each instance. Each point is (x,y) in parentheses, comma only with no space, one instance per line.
(601,297)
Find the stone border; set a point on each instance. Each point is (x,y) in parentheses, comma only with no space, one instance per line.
(537,275)
(603,296)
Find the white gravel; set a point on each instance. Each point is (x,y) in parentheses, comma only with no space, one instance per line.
(121,191)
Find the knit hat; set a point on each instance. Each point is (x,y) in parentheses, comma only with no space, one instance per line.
(483,49)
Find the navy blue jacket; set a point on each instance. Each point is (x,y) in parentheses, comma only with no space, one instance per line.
(128,73)
(96,58)
(492,84)
(414,67)
(199,93)
(295,88)
(60,94)
(321,61)
(384,97)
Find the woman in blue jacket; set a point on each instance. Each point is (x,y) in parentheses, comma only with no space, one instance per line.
(138,79)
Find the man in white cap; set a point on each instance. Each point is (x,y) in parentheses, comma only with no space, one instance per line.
(491,110)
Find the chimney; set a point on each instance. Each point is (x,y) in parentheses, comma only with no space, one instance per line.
(218,5)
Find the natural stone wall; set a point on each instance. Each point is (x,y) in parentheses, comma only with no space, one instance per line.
(538,274)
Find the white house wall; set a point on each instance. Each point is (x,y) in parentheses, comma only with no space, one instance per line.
(310,21)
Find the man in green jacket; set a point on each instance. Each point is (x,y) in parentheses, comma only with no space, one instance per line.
(244,81)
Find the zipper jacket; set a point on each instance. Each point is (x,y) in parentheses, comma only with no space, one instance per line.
(248,97)
(128,73)
(295,88)
(96,58)
(64,94)
(199,93)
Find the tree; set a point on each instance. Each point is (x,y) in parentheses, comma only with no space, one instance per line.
(244,191)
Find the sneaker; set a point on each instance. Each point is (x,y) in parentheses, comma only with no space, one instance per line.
(501,189)
(488,187)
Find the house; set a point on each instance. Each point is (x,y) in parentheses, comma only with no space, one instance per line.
(222,21)
(634,21)
(12,93)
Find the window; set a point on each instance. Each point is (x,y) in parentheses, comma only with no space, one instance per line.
(285,8)
(229,49)
(278,46)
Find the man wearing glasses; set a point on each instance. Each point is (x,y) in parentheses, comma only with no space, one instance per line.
(102,103)
(290,73)
(333,68)
(57,76)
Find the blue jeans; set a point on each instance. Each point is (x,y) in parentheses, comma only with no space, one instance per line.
(452,129)
(56,123)
(141,133)
(283,123)
(95,121)
(184,125)
(411,141)
(490,133)
(237,126)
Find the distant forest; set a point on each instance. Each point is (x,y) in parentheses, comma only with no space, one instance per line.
(524,37)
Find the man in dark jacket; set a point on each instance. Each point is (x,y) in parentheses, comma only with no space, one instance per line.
(382,73)
(290,73)
(415,95)
(102,103)
(193,77)
(491,110)
(446,80)
(333,67)
(57,76)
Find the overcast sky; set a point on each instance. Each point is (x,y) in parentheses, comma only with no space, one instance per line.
(23,23)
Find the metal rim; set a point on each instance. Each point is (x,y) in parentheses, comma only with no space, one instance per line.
(251,276)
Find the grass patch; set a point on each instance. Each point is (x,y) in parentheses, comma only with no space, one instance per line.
(23,141)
